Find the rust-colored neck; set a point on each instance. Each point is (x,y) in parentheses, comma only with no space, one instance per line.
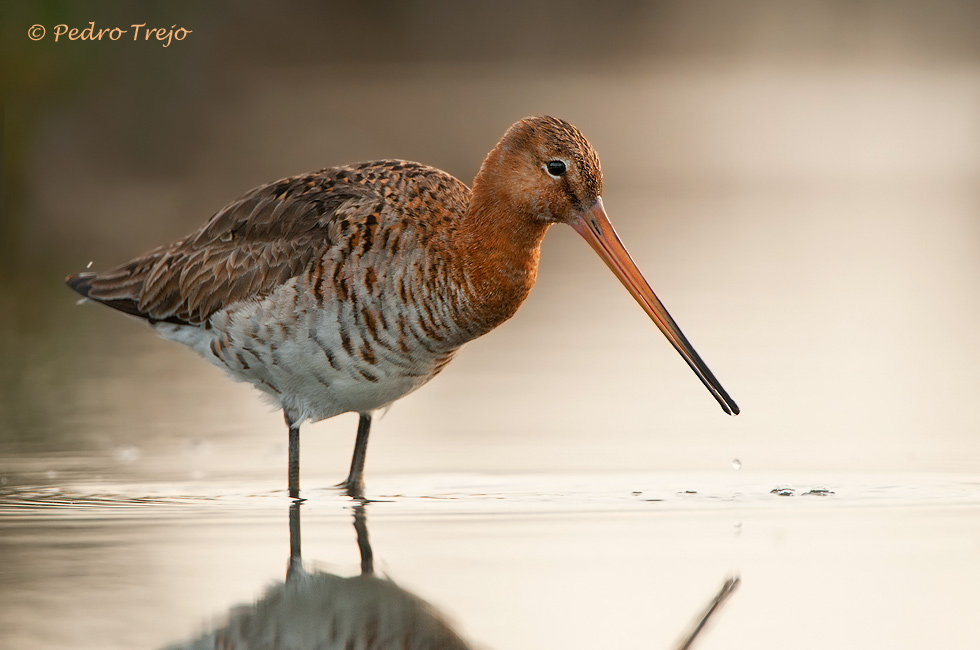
(501,243)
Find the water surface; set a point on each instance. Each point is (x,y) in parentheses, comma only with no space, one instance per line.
(509,561)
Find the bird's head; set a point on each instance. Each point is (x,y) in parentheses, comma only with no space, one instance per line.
(545,169)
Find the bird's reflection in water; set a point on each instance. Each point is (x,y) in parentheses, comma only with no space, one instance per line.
(322,611)
(313,609)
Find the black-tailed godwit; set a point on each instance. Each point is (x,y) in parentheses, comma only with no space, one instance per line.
(345,289)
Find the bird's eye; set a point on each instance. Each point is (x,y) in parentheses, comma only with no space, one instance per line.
(555,167)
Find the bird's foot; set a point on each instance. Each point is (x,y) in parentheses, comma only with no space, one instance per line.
(353,489)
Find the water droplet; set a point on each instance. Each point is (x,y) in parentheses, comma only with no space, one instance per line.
(89,265)
(736,464)
(52,474)
(3,480)
(782,491)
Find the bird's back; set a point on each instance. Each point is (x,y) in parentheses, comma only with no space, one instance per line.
(330,291)
(275,232)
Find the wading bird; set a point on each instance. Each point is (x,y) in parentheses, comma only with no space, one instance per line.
(345,289)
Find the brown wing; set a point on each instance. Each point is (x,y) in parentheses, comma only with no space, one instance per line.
(246,250)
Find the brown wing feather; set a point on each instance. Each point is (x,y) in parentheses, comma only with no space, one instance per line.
(246,250)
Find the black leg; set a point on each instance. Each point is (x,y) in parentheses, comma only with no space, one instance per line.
(354,485)
(295,554)
(293,457)
(363,543)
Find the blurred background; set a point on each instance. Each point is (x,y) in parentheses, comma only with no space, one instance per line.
(799,182)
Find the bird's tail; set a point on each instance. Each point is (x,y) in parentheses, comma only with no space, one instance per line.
(118,288)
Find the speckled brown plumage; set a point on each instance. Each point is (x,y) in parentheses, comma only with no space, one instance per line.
(279,231)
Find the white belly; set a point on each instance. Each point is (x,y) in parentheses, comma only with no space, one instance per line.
(314,363)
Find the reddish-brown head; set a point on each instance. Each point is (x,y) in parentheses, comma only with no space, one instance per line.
(543,167)
(544,171)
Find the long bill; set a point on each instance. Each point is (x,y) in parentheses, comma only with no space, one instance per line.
(593,225)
